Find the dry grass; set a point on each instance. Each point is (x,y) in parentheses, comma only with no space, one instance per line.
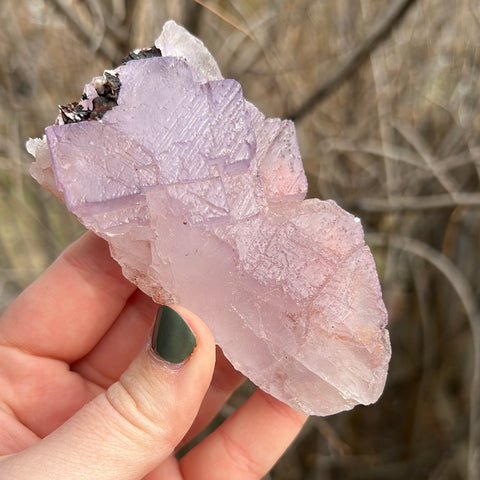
(398,144)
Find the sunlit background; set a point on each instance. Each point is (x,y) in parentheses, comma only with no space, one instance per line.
(385,97)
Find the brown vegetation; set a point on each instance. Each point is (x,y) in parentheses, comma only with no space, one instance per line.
(395,140)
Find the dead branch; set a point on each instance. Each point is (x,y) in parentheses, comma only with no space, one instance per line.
(467,297)
(422,202)
(417,142)
(82,31)
(379,33)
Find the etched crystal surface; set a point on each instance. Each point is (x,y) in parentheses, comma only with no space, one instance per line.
(201,199)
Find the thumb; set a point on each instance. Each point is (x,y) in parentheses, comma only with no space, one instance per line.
(136,424)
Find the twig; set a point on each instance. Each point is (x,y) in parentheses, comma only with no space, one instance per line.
(393,152)
(472,309)
(223,14)
(98,22)
(421,202)
(359,55)
(417,142)
(83,32)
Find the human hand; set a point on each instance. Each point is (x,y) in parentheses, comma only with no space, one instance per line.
(84,396)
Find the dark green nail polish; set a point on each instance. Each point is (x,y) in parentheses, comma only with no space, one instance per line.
(172,339)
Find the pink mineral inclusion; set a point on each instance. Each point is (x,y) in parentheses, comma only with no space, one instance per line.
(201,199)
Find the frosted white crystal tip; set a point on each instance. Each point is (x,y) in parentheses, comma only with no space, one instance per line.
(176,41)
(32,144)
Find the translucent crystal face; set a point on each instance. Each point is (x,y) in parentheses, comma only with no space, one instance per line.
(201,199)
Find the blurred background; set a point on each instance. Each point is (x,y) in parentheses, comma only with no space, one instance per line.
(385,97)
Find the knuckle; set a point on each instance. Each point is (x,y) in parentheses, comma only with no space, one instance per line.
(241,458)
(136,417)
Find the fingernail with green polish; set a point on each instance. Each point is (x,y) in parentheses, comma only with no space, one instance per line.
(172,339)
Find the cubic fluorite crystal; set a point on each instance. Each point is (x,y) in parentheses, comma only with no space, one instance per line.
(201,199)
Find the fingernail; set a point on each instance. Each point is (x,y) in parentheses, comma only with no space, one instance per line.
(172,339)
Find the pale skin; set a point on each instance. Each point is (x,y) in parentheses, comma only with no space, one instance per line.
(82,396)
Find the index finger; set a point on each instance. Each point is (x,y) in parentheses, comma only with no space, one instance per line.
(246,444)
(68,308)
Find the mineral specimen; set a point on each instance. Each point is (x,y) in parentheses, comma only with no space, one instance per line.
(201,199)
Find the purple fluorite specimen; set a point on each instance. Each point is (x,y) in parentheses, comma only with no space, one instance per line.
(201,199)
